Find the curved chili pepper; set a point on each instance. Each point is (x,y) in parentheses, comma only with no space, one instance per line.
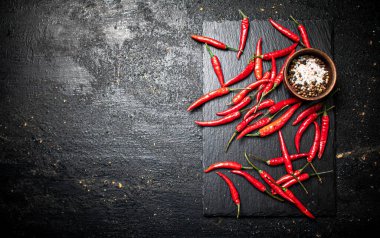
(307,112)
(324,133)
(314,148)
(259,94)
(305,124)
(270,181)
(212,42)
(273,73)
(259,61)
(239,96)
(298,204)
(287,177)
(301,177)
(280,160)
(285,31)
(264,104)
(243,124)
(278,106)
(260,123)
(256,183)
(247,100)
(243,33)
(226,165)
(233,191)
(303,33)
(280,76)
(285,154)
(278,53)
(221,121)
(277,124)
(243,74)
(216,66)
(209,96)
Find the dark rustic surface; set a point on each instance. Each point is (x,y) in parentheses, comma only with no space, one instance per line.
(216,200)
(93,93)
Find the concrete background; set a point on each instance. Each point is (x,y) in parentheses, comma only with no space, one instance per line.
(94,136)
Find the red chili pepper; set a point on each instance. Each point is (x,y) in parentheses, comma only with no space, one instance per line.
(303,33)
(285,154)
(301,177)
(221,121)
(324,133)
(260,123)
(243,103)
(273,73)
(277,124)
(288,177)
(264,104)
(216,66)
(233,191)
(314,148)
(209,96)
(243,93)
(307,112)
(280,76)
(266,76)
(278,53)
(243,124)
(280,160)
(305,124)
(259,94)
(298,203)
(252,180)
(212,42)
(226,165)
(259,61)
(243,33)
(243,74)
(285,31)
(270,181)
(278,106)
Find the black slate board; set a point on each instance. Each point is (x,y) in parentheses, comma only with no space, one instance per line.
(216,197)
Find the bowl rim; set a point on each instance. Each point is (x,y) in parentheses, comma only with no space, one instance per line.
(320,54)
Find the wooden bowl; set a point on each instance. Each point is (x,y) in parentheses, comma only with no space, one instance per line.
(330,67)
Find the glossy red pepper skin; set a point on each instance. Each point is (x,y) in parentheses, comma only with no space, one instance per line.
(298,204)
(234,192)
(260,123)
(264,104)
(242,75)
(216,65)
(243,93)
(304,36)
(285,31)
(285,154)
(209,96)
(259,61)
(276,187)
(315,146)
(252,180)
(224,165)
(278,53)
(221,121)
(273,73)
(280,76)
(280,160)
(305,124)
(288,177)
(305,113)
(243,34)
(243,103)
(210,41)
(291,182)
(278,123)
(278,106)
(243,124)
(259,94)
(324,133)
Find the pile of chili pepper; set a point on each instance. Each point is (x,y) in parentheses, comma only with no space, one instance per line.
(262,116)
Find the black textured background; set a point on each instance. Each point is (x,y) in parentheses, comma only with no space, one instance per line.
(216,197)
(94,136)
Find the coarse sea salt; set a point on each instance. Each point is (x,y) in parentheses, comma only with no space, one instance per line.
(308,71)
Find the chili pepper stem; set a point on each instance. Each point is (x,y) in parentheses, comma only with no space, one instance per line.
(316,172)
(304,167)
(242,14)
(233,49)
(238,211)
(230,141)
(236,89)
(324,172)
(253,135)
(274,197)
(259,159)
(299,181)
(249,162)
(209,50)
(295,21)
(246,168)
